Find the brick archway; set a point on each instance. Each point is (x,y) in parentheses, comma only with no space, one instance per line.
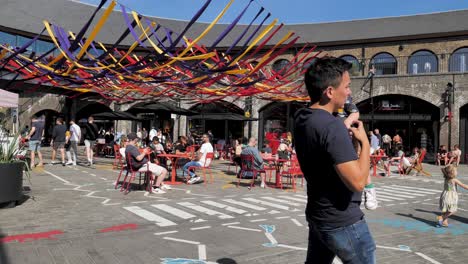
(428,96)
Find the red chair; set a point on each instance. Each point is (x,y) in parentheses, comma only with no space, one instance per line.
(418,165)
(221,152)
(247,165)
(117,157)
(148,177)
(293,170)
(206,167)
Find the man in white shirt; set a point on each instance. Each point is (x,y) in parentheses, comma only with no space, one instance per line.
(75,138)
(200,159)
(153,132)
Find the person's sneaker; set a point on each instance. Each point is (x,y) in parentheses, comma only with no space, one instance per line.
(63,164)
(69,163)
(194,180)
(370,199)
(158,190)
(165,187)
(53,162)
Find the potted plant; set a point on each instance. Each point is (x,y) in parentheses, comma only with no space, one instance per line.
(12,168)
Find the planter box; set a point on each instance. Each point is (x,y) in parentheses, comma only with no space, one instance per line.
(11,182)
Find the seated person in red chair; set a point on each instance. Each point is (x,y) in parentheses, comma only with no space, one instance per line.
(251,149)
(199,159)
(442,155)
(157,149)
(455,156)
(139,162)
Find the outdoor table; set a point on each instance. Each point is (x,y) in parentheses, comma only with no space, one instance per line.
(276,163)
(374,160)
(174,158)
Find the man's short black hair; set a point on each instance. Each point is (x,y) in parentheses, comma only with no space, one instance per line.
(322,73)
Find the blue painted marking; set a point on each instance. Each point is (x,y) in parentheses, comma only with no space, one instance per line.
(270,245)
(454,229)
(403,247)
(182,261)
(268,228)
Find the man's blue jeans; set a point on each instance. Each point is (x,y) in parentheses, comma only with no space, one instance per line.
(353,244)
(191,164)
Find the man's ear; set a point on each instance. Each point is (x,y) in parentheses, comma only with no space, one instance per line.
(329,92)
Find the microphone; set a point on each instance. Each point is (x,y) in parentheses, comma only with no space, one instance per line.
(369,77)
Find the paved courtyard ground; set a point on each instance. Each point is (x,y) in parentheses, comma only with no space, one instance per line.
(74,215)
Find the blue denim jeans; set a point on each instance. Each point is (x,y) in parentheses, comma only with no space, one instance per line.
(191,164)
(353,244)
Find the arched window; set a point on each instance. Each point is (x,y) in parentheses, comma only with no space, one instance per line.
(384,63)
(280,66)
(356,65)
(459,60)
(422,61)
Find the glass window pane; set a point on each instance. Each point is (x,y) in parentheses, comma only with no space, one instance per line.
(459,60)
(6,38)
(23,40)
(356,66)
(422,62)
(43,47)
(384,63)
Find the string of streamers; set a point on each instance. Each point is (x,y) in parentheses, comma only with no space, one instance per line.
(172,65)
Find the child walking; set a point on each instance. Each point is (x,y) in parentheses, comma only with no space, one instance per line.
(449,197)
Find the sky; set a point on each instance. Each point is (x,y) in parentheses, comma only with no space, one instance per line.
(293,11)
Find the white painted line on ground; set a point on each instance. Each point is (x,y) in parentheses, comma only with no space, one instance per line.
(92,174)
(245,228)
(277,206)
(404,192)
(404,203)
(282,217)
(427,258)
(427,199)
(417,202)
(271,238)
(229,196)
(296,222)
(84,171)
(301,215)
(293,198)
(412,191)
(433,204)
(57,177)
(422,189)
(182,240)
(250,206)
(167,232)
(225,207)
(199,228)
(160,221)
(139,202)
(302,196)
(102,178)
(257,220)
(379,195)
(389,204)
(201,252)
(392,194)
(233,223)
(291,247)
(394,248)
(274,212)
(191,198)
(173,211)
(281,201)
(205,210)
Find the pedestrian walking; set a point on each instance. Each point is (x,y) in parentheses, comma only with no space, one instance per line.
(58,140)
(448,202)
(91,135)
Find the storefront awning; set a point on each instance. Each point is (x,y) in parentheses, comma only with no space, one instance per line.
(8,99)
(222,116)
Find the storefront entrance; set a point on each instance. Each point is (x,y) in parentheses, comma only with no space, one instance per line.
(415,120)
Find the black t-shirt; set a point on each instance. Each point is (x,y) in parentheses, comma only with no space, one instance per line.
(323,143)
(132,152)
(58,134)
(39,125)
(92,131)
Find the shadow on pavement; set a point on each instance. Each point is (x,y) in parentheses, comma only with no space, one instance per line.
(3,254)
(226,261)
(453,217)
(428,222)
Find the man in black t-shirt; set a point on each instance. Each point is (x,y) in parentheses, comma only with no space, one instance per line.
(91,135)
(335,175)
(58,140)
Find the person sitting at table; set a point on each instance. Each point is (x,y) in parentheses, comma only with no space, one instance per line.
(400,154)
(157,149)
(442,155)
(266,148)
(251,149)
(123,144)
(199,159)
(411,160)
(139,162)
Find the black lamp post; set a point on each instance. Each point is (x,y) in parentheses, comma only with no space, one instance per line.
(449,101)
